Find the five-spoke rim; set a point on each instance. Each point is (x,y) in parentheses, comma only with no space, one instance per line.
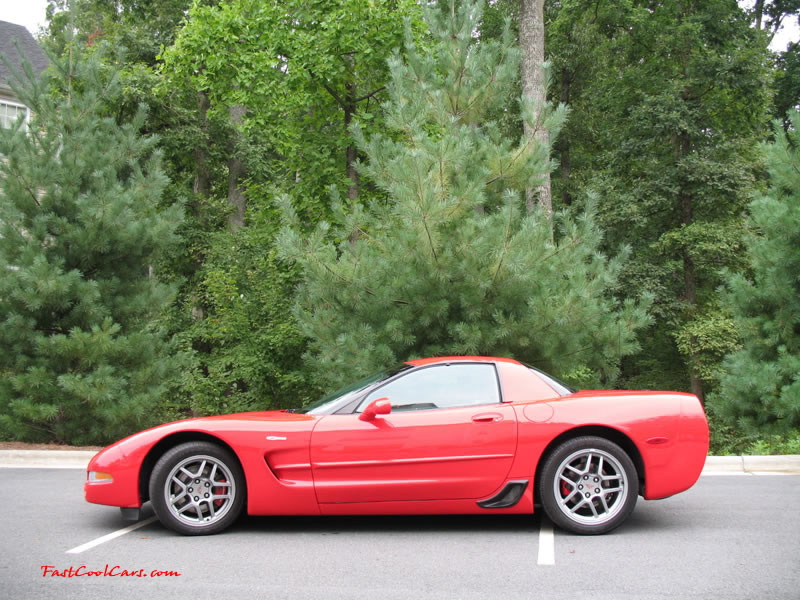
(590,486)
(200,490)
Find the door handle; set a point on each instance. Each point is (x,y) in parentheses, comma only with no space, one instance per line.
(488,418)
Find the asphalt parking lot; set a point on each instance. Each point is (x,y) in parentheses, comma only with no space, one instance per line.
(734,536)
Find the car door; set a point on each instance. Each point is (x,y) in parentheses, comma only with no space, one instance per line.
(448,436)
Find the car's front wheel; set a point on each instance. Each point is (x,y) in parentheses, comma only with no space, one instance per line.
(588,485)
(197,488)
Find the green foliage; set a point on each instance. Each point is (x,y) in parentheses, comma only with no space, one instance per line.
(432,252)
(668,104)
(451,264)
(137,29)
(760,388)
(776,444)
(81,234)
(729,439)
(706,338)
(303,71)
(243,341)
(787,83)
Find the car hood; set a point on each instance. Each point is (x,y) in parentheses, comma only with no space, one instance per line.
(261,415)
(244,426)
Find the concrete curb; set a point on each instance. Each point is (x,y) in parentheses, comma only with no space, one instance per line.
(715,465)
(752,465)
(45,459)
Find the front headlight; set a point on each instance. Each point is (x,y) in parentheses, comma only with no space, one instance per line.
(100,477)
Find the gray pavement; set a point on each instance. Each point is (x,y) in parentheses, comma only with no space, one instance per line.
(728,537)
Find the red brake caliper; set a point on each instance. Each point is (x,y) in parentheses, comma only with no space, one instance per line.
(219,501)
(564,489)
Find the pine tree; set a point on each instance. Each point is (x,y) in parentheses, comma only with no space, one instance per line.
(452,264)
(81,232)
(760,387)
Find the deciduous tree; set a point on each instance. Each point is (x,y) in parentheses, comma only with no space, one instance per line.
(665,128)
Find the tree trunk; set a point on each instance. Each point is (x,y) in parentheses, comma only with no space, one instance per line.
(534,88)
(350,160)
(758,9)
(202,180)
(201,185)
(237,199)
(690,285)
(689,275)
(350,154)
(566,166)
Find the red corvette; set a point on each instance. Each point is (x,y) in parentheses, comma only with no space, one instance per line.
(437,435)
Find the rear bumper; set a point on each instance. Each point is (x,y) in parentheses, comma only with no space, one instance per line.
(686,457)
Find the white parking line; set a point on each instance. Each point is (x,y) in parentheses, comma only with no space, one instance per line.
(744,473)
(547,543)
(110,536)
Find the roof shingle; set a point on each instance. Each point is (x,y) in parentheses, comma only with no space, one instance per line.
(28,46)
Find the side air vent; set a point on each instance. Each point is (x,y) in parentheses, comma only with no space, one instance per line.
(508,496)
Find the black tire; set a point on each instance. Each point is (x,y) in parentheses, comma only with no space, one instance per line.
(206,502)
(588,485)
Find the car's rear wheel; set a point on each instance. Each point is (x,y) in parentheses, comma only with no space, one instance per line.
(197,488)
(588,485)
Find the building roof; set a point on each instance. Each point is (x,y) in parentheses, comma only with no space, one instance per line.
(28,46)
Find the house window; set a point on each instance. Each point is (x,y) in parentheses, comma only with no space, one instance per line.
(10,112)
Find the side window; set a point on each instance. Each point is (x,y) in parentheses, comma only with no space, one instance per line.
(445,386)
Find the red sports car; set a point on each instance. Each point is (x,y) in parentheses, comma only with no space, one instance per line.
(437,435)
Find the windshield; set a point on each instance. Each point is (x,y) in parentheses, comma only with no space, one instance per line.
(341,397)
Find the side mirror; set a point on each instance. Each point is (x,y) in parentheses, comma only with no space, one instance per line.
(381,406)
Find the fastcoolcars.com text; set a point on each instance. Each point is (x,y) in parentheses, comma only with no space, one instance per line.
(107,571)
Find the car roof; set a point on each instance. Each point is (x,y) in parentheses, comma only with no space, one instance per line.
(421,362)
